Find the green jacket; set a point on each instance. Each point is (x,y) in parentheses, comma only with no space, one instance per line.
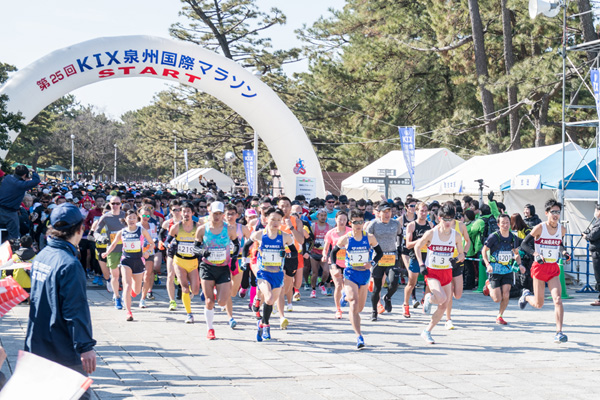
(475,230)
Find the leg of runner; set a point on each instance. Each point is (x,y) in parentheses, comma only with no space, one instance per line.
(439,295)
(325,278)
(298,278)
(559,311)
(314,268)
(208,287)
(148,280)
(182,276)
(497,294)
(537,299)
(157,262)
(356,298)
(288,285)
(408,290)
(378,276)
(236,281)
(127,288)
(171,281)
(457,292)
(114,283)
(306,275)
(338,281)
(394,278)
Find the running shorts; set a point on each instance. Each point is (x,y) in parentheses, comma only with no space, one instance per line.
(359,277)
(187,265)
(457,268)
(213,273)
(499,280)
(414,266)
(290,266)
(237,267)
(275,279)
(379,271)
(444,276)
(544,272)
(113,260)
(136,264)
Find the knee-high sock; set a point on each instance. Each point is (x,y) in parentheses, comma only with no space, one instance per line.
(267,310)
(377,285)
(187,302)
(210,316)
(252,293)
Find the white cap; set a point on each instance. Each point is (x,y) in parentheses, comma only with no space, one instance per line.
(108,197)
(69,196)
(46,191)
(90,188)
(217,206)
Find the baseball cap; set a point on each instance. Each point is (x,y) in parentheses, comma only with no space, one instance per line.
(251,213)
(65,217)
(383,206)
(329,197)
(217,206)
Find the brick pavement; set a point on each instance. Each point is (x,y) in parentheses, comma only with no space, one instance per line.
(158,356)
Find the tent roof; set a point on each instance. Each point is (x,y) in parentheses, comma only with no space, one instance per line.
(494,169)
(55,168)
(550,171)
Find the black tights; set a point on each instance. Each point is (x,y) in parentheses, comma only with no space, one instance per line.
(394,277)
(267,310)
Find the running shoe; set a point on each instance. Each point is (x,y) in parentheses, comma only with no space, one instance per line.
(109,286)
(560,338)
(416,303)
(323,290)
(210,335)
(426,335)
(344,302)
(157,280)
(232,323)
(427,304)
(283,323)
(329,291)
(380,308)
(296,296)
(129,316)
(371,285)
(307,286)
(266,334)
(374,316)
(338,314)
(486,288)
(172,305)
(360,343)
(100,281)
(388,304)
(133,294)
(143,303)
(501,321)
(406,311)
(258,316)
(176,281)
(201,294)
(449,325)
(242,293)
(118,303)
(402,281)
(95,281)
(180,293)
(189,319)
(150,295)
(523,298)
(313,294)
(289,307)
(256,305)
(259,331)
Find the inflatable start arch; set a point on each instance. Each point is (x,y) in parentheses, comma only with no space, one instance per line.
(31,89)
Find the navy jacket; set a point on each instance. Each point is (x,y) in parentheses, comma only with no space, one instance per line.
(60,325)
(13,189)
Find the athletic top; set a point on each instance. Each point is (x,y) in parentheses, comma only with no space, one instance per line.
(501,251)
(386,235)
(331,240)
(240,235)
(320,234)
(549,245)
(358,252)
(113,224)
(418,234)
(218,246)
(457,229)
(132,243)
(405,222)
(185,243)
(153,233)
(269,253)
(284,228)
(439,252)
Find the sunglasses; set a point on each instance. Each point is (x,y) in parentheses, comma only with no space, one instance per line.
(447,219)
(330,201)
(175,209)
(130,201)
(358,222)
(412,205)
(201,206)
(115,204)
(555,212)
(145,216)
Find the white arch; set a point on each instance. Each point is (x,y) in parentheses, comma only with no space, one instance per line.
(31,89)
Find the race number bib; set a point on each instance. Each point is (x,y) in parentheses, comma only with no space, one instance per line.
(271,258)
(217,256)
(504,257)
(319,243)
(440,260)
(185,249)
(358,258)
(550,253)
(341,254)
(132,246)
(388,259)
(113,235)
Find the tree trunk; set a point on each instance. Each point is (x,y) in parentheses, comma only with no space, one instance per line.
(541,121)
(487,99)
(587,25)
(509,61)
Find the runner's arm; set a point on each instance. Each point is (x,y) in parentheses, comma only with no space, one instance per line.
(424,241)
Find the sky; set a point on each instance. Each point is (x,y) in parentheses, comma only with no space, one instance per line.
(30,30)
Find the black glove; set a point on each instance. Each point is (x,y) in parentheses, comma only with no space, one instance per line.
(104,240)
(282,253)
(206,253)
(539,259)
(233,264)
(491,196)
(423,269)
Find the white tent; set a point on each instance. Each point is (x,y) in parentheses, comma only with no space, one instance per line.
(190,179)
(429,164)
(494,169)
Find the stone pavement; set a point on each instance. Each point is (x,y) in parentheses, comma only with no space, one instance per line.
(158,356)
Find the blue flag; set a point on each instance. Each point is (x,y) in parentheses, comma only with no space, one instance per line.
(249,161)
(407,141)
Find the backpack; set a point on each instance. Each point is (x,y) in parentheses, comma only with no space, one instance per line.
(491,226)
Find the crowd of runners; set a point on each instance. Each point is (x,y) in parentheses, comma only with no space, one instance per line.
(209,247)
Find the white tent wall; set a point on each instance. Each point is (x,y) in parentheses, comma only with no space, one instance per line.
(223,182)
(429,164)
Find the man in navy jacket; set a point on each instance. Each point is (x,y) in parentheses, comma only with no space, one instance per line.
(60,325)
(12,190)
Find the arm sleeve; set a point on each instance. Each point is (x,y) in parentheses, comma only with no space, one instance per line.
(378,253)
(293,251)
(98,232)
(333,254)
(246,248)
(528,244)
(236,246)
(74,307)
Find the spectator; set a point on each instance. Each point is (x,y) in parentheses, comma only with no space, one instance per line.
(592,235)
(531,218)
(12,190)
(475,227)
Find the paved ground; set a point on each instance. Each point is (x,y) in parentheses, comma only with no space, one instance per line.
(158,356)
